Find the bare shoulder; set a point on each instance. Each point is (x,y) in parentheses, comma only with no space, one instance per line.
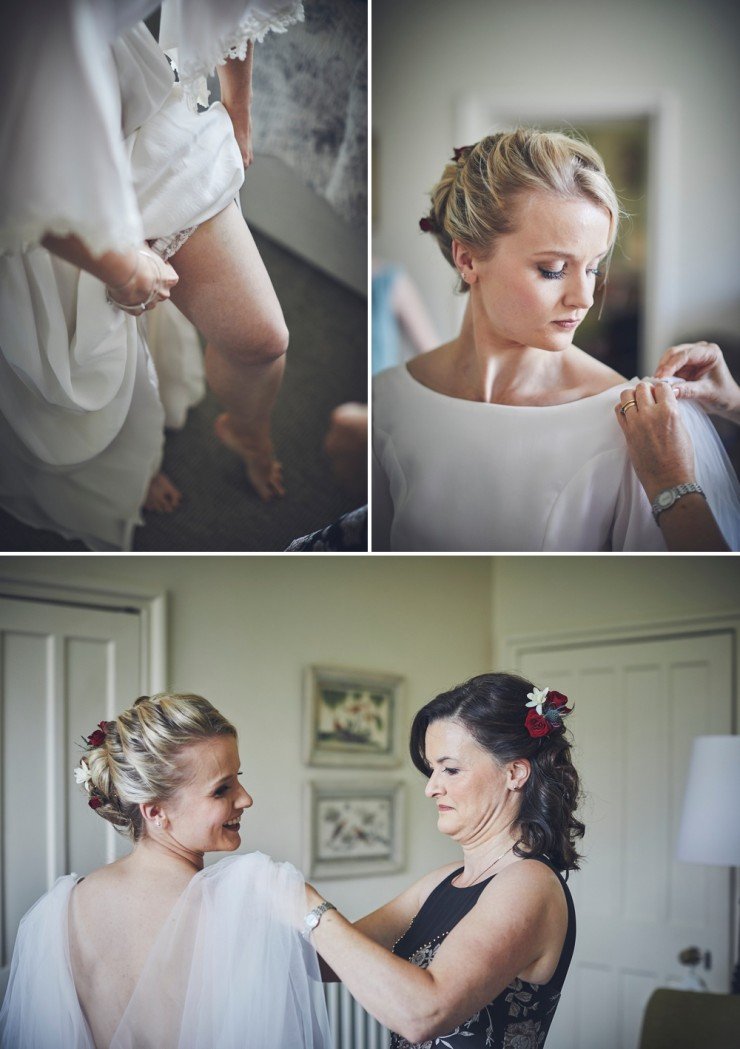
(99,882)
(533,884)
(590,376)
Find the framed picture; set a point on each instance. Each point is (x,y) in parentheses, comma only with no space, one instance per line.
(354,829)
(351,717)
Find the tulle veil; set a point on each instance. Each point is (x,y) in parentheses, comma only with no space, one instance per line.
(229,969)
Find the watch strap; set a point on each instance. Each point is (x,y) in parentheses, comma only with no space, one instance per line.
(670,496)
(313,917)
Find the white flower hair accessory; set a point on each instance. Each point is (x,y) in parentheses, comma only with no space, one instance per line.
(548,710)
(83,776)
(537,698)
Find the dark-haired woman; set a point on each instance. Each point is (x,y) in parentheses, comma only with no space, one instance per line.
(476,954)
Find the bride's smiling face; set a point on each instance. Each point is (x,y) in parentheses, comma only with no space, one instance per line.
(204,813)
(538,284)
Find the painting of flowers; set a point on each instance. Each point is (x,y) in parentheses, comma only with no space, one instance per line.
(355,829)
(351,717)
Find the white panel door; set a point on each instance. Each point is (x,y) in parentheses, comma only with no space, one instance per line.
(638,705)
(63,668)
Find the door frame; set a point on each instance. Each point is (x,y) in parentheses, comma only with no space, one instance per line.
(509,649)
(149,605)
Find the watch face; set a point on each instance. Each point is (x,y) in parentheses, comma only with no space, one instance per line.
(312,920)
(666,499)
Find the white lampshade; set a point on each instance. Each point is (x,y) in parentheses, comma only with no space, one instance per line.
(710,824)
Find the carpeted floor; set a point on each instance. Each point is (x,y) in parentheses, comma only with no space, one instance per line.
(326,366)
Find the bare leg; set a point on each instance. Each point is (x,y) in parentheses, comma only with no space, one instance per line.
(225,291)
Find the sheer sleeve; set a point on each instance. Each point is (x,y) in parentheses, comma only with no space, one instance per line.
(66,169)
(41,1008)
(199,36)
(714,472)
(635,528)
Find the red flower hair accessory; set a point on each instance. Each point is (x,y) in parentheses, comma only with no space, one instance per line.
(460,153)
(82,772)
(97,738)
(425,225)
(548,710)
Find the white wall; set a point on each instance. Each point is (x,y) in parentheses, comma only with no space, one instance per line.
(243,629)
(429,58)
(278,204)
(534,595)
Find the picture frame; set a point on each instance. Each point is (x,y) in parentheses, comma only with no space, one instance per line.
(354,829)
(351,718)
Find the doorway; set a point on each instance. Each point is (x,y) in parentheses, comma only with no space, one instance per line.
(639,702)
(67,661)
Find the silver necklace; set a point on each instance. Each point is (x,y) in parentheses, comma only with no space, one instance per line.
(486,869)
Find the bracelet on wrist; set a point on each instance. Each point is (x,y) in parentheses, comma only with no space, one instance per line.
(670,496)
(120,287)
(313,917)
(135,309)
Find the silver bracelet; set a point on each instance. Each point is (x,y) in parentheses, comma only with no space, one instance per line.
(313,917)
(120,287)
(139,307)
(667,498)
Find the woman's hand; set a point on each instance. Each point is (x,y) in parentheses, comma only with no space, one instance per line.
(707,378)
(663,457)
(658,443)
(149,284)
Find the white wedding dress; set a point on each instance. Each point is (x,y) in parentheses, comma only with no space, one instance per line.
(100,142)
(229,969)
(457,475)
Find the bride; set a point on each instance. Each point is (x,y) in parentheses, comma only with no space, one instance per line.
(156,949)
(504,438)
(118,195)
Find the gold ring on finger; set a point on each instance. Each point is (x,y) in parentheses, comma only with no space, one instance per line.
(626,405)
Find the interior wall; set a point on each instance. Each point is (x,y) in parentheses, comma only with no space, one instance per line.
(278,204)
(241,632)
(429,58)
(534,595)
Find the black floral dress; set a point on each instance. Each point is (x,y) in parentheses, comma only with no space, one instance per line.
(520,1017)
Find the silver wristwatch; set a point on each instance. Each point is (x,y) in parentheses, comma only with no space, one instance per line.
(670,496)
(313,917)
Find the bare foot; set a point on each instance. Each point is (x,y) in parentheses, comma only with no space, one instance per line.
(162,496)
(264,471)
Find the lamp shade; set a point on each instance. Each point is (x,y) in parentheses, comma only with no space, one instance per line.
(710,822)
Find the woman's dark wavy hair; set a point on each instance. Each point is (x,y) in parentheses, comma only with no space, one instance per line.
(492,707)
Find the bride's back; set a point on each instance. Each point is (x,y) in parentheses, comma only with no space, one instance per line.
(115,915)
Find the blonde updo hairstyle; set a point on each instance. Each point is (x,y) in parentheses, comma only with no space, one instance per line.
(138,758)
(473,202)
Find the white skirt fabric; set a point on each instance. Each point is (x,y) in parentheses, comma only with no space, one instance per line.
(228,969)
(81,423)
